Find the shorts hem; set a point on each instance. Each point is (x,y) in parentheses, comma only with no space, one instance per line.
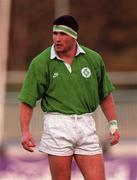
(70,153)
(88,153)
(55,153)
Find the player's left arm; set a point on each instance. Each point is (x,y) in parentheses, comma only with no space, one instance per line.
(108,107)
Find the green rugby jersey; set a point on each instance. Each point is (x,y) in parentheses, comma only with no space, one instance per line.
(78,92)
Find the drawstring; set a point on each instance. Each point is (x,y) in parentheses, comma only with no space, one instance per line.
(75,117)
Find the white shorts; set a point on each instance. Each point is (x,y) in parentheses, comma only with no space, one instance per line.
(65,135)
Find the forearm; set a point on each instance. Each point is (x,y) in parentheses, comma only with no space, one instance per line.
(25,117)
(28,142)
(108,108)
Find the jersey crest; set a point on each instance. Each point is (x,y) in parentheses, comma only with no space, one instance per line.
(86,72)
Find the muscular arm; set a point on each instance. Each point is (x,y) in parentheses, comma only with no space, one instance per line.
(25,117)
(108,107)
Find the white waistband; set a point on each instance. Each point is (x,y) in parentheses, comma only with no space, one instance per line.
(71,115)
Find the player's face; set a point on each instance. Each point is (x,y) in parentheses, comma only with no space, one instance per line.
(63,42)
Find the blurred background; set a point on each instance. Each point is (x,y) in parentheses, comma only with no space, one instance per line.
(108,27)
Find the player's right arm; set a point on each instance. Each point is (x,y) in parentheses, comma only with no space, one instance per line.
(28,142)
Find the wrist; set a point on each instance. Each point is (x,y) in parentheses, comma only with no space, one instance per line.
(113,126)
(25,130)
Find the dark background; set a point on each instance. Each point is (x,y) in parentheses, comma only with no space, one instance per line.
(109,27)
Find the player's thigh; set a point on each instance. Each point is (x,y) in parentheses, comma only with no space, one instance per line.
(60,167)
(91,166)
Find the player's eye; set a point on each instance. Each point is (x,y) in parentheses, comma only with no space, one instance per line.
(62,33)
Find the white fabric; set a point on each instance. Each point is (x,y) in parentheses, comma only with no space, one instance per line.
(65,135)
(113,126)
(68,66)
(53,54)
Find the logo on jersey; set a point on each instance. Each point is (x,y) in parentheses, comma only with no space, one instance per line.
(86,73)
(55,74)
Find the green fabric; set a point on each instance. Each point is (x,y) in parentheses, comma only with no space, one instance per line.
(61,91)
(66,30)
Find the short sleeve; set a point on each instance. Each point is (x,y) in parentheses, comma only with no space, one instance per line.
(105,86)
(33,86)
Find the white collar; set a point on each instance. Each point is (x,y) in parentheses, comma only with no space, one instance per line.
(53,53)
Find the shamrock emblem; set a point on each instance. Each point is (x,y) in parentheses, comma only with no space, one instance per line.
(86,73)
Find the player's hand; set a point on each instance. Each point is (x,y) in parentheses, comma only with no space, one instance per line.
(114,134)
(114,137)
(28,142)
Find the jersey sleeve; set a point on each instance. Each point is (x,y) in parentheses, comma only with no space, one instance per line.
(33,85)
(105,86)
